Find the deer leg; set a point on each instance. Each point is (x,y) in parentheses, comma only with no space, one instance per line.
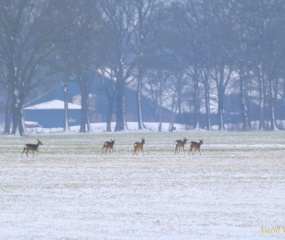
(27,151)
(23,151)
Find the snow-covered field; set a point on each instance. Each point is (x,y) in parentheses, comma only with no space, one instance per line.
(70,190)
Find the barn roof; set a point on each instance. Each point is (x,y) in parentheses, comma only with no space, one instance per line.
(53,104)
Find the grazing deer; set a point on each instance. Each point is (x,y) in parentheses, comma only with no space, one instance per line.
(32,147)
(108,145)
(138,146)
(179,144)
(196,146)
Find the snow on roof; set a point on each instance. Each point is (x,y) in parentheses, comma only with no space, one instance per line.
(53,104)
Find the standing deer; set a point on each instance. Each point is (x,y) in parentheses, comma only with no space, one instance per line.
(138,146)
(108,145)
(196,146)
(179,144)
(32,147)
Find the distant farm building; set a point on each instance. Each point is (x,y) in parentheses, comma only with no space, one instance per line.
(43,110)
(51,114)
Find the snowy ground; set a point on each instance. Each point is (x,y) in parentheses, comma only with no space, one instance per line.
(70,190)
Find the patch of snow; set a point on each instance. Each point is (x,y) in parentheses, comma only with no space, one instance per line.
(70,190)
(53,104)
(133,126)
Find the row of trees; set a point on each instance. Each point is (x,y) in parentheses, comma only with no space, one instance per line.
(186,54)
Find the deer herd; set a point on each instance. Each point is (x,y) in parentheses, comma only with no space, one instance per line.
(193,145)
(138,146)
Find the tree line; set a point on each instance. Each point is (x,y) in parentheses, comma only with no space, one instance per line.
(186,54)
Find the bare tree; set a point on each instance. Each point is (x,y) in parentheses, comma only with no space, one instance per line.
(26,40)
(156,89)
(106,68)
(175,92)
(108,83)
(119,16)
(78,50)
(218,15)
(4,92)
(144,24)
(260,32)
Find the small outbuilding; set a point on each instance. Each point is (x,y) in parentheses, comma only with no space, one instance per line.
(51,114)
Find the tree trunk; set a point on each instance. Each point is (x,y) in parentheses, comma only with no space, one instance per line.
(120,111)
(139,105)
(17,116)
(109,113)
(261,98)
(173,115)
(157,99)
(196,100)
(65,93)
(108,122)
(84,123)
(207,99)
(221,109)
(111,101)
(220,90)
(7,127)
(160,106)
(160,119)
(124,112)
(272,97)
(244,103)
(110,93)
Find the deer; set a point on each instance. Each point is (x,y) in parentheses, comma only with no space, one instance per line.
(108,145)
(32,147)
(179,144)
(138,146)
(195,145)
